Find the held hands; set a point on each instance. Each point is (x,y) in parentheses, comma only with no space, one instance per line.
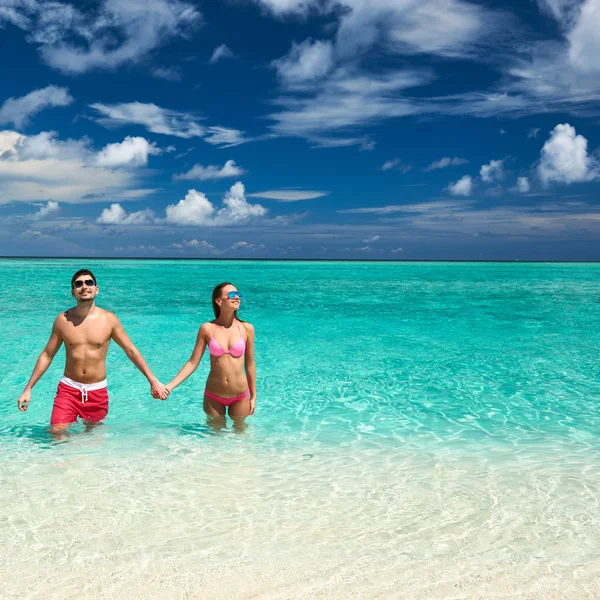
(159,391)
(23,400)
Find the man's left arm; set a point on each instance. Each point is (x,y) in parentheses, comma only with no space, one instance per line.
(157,389)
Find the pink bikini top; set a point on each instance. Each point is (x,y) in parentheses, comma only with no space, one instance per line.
(237,350)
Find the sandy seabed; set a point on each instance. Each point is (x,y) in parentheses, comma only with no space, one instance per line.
(182,521)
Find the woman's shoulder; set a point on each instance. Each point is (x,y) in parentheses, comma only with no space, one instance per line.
(248,326)
(206,327)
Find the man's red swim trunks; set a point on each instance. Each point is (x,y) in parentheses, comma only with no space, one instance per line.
(73,399)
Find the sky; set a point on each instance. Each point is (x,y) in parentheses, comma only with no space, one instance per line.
(319,129)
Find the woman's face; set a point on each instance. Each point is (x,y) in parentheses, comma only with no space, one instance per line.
(226,301)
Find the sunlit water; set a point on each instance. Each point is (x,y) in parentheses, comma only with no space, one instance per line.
(422,431)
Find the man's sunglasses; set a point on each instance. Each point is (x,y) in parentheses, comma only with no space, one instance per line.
(88,283)
(232,295)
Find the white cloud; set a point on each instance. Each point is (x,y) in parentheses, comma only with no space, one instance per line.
(167,73)
(154,118)
(18,111)
(211,172)
(50,208)
(396,165)
(196,209)
(305,62)
(117,215)
(219,52)
(462,187)
(118,32)
(347,100)
(565,159)
(435,207)
(371,239)
(203,245)
(584,41)
(225,137)
(445,162)
(247,246)
(395,250)
(166,122)
(523,185)
(390,164)
(324,81)
(493,171)
(42,167)
(288,195)
(533,132)
(132,151)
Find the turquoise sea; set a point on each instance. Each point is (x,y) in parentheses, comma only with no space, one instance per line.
(423,430)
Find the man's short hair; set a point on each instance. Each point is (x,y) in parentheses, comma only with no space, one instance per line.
(80,273)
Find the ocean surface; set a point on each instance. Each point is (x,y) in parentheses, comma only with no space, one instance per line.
(423,430)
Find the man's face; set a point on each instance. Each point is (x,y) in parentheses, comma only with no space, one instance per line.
(84,288)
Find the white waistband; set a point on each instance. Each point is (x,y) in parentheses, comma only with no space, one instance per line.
(90,387)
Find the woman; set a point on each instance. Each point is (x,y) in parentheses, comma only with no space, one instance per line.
(230,343)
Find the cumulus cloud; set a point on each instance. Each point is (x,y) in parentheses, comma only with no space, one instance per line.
(565,159)
(220,52)
(43,167)
(445,162)
(462,187)
(132,151)
(49,208)
(203,245)
(288,195)
(211,172)
(493,171)
(18,111)
(196,209)
(117,215)
(118,32)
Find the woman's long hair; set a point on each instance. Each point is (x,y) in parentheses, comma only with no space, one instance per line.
(217,294)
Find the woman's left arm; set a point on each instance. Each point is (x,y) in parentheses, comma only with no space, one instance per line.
(251,366)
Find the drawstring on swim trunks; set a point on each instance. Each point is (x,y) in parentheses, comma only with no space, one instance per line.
(84,388)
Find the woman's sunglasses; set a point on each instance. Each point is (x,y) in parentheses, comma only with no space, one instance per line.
(232,295)
(88,283)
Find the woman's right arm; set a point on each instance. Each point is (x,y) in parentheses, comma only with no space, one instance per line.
(192,364)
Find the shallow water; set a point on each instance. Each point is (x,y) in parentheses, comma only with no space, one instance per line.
(423,430)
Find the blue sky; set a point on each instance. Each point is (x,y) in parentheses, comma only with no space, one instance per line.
(375,129)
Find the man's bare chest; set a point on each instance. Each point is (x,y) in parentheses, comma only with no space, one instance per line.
(93,335)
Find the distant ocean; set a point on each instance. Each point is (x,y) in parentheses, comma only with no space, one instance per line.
(423,430)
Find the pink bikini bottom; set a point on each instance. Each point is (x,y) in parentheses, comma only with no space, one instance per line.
(226,401)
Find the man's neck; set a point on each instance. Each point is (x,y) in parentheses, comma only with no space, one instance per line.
(83,309)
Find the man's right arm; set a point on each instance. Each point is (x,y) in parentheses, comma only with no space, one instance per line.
(41,366)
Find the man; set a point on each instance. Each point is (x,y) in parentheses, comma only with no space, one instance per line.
(86,331)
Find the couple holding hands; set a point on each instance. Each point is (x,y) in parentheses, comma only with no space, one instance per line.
(87,330)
